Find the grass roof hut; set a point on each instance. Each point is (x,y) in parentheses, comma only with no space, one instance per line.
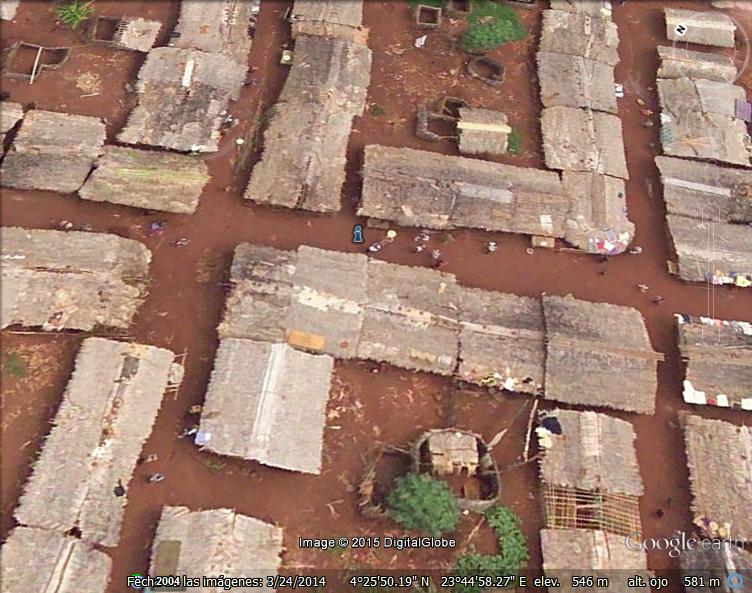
(75,280)
(574,81)
(53,151)
(714,563)
(599,354)
(679,62)
(719,456)
(38,560)
(332,18)
(8,9)
(107,412)
(703,28)
(10,115)
(135,34)
(483,131)
(585,8)
(215,542)
(577,34)
(147,179)
(718,356)
(267,402)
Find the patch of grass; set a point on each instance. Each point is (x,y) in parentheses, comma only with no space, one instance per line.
(376,110)
(214,465)
(14,366)
(74,12)
(420,502)
(491,25)
(413,4)
(514,141)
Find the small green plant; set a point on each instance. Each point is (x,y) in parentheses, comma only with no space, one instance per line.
(514,141)
(14,366)
(75,12)
(376,110)
(491,25)
(423,503)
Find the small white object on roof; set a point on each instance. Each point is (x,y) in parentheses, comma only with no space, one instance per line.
(421,41)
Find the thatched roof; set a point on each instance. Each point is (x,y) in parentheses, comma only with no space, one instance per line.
(599,354)
(679,62)
(218,27)
(340,12)
(578,140)
(38,560)
(8,9)
(137,34)
(10,115)
(719,456)
(597,10)
(267,402)
(730,250)
(719,361)
(577,34)
(705,191)
(182,95)
(704,28)
(595,452)
(574,81)
(53,151)
(107,412)
(305,144)
(699,120)
(215,542)
(483,131)
(147,179)
(716,562)
(76,280)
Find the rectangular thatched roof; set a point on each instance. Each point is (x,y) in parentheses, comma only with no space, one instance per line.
(147,179)
(483,131)
(182,94)
(10,114)
(426,189)
(218,27)
(596,10)
(679,62)
(215,542)
(719,456)
(577,34)
(573,81)
(305,144)
(719,256)
(579,140)
(137,34)
(53,151)
(75,280)
(702,190)
(267,402)
(107,412)
(718,354)
(38,561)
(704,28)
(339,12)
(599,354)
(595,452)
(714,563)
(8,9)
(699,121)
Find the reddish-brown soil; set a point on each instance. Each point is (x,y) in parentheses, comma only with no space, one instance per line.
(367,409)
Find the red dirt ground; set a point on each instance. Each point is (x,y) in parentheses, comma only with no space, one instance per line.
(186,297)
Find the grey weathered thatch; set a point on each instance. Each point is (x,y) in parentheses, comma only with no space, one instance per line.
(483,131)
(147,179)
(136,34)
(714,563)
(576,34)
(340,12)
(599,354)
(596,10)
(719,456)
(53,151)
(215,542)
(679,62)
(38,561)
(8,9)
(699,120)
(218,27)
(719,362)
(10,115)
(703,28)
(182,95)
(595,452)
(574,81)
(303,164)
(76,280)
(267,402)
(579,140)
(107,412)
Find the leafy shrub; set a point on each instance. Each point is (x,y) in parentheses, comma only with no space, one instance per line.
(514,141)
(74,13)
(491,25)
(422,503)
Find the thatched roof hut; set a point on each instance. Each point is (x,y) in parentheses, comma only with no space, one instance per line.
(38,560)
(215,542)
(717,562)
(703,28)
(718,355)
(699,120)
(333,18)
(573,81)
(719,456)
(56,279)
(679,62)
(10,115)
(182,96)
(135,34)
(579,140)
(267,402)
(577,34)
(594,452)
(599,354)
(106,415)
(305,144)
(147,179)
(483,131)
(53,151)
(8,9)
(588,8)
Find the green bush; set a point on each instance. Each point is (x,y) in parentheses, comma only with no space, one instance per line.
(14,366)
(514,141)
(423,503)
(491,25)
(74,13)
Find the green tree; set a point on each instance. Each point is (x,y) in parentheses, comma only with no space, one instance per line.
(74,13)
(422,503)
